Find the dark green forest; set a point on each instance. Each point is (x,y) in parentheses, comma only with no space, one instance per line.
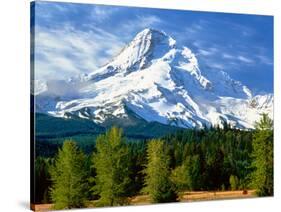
(109,167)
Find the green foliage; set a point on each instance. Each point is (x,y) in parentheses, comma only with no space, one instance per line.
(49,126)
(180,178)
(265,123)
(111,163)
(157,174)
(262,175)
(187,175)
(69,177)
(209,157)
(234,182)
(193,167)
(191,159)
(137,156)
(223,187)
(49,147)
(42,179)
(52,131)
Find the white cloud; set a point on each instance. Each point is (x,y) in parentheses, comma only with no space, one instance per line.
(244,30)
(65,52)
(228,56)
(195,29)
(205,52)
(140,23)
(245,59)
(101,13)
(264,59)
(47,10)
(62,7)
(216,65)
(149,20)
(192,29)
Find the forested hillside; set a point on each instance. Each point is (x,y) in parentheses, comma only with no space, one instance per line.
(117,168)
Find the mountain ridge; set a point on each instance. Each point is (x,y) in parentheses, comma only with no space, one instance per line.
(160,82)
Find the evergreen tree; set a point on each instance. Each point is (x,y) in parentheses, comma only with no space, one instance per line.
(194,171)
(42,180)
(137,155)
(234,182)
(262,176)
(69,177)
(157,174)
(111,163)
(180,178)
(187,176)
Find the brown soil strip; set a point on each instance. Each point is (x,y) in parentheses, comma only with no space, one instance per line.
(184,197)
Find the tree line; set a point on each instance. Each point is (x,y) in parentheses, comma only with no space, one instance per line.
(189,160)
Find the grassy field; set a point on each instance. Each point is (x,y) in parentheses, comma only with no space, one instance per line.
(184,197)
(198,196)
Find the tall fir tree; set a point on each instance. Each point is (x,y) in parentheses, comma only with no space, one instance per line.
(187,176)
(262,175)
(69,178)
(180,178)
(234,182)
(158,183)
(111,163)
(42,179)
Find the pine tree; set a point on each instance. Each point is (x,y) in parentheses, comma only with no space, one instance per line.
(187,176)
(42,179)
(157,174)
(194,171)
(262,176)
(180,178)
(111,163)
(69,177)
(234,182)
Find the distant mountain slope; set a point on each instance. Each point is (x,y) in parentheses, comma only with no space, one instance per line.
(47,126)
(157,81)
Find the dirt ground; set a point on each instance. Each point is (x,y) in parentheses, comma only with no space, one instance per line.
(184,197)
(41,207)
(199,196)
(207,195)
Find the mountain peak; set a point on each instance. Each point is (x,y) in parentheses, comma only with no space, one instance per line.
(147,45)
(151,32)
(154,36)
(160,82)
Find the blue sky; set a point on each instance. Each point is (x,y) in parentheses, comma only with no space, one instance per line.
(71,39)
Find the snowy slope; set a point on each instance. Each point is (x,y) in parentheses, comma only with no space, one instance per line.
(159,81)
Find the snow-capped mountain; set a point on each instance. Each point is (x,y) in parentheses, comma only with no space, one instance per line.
(156,80)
